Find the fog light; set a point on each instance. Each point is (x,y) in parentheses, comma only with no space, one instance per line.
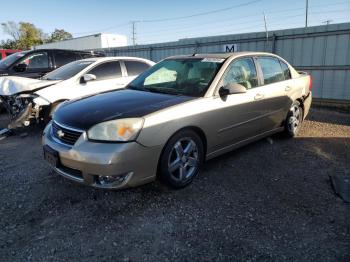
(113,180)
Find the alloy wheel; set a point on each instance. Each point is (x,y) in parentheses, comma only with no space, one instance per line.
(183,159)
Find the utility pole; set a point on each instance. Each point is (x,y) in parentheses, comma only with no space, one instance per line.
(306,12)
(133,37)
(267,32)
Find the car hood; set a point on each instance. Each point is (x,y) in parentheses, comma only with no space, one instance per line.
(85,113)
(11,85)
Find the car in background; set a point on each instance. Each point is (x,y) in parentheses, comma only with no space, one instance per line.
(6,52)
(171,118)
(36,63)
(33,100)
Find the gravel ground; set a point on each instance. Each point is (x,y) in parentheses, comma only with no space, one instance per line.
(271,200)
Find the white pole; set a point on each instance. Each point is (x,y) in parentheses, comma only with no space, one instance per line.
(267,32)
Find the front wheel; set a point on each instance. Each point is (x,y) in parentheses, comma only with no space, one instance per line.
(294,120)
(181,159)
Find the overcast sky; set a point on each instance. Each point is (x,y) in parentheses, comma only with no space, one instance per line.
(161,21)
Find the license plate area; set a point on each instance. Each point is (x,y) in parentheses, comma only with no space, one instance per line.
(51,156)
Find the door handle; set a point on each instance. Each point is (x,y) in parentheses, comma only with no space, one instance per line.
(258,96)
(288,88)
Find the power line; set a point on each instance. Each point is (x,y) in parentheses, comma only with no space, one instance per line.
(220,21)
(201,14)
(102,29)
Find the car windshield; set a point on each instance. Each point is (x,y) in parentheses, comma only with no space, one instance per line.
(9,60)
(188,76)
(67,71)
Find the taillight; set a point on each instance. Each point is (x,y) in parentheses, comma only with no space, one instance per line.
(310,83)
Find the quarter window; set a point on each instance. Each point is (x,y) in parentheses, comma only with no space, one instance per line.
(271,69)
(241,71)
(135,68)
(107,70)
(286,71)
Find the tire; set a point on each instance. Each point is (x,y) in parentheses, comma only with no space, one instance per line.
(294,120)
(181,159)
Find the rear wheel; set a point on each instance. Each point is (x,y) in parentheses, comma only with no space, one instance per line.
(181,159)
(294,120)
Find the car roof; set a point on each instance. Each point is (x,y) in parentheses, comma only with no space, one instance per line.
(114,58)
(219,55)
(64,50)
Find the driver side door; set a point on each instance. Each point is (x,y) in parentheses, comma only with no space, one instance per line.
(36,65)
(239,115)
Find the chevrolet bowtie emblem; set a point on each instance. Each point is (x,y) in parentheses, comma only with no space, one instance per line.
(60,133)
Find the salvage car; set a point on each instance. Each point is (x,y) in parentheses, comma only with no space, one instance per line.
(36,63)
(182,111)
(33,100)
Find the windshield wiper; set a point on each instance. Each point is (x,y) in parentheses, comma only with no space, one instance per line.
(162,90)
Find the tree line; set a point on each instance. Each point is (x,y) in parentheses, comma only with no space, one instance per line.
(24,35)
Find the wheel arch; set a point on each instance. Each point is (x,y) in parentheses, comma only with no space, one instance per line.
(195,129)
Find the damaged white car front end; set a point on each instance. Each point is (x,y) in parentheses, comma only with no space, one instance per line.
(22,105)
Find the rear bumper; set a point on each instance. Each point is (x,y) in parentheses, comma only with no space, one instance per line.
(86,162)
(307,104)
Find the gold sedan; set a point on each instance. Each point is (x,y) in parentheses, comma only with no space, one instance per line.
(177,114)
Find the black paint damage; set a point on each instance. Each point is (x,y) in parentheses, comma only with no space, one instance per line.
(125,103)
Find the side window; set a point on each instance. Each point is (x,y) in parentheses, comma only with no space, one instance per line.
(62,58)
(135,68)
(241,71)
(286,71)
(106,70)
(271,69)
(36,60)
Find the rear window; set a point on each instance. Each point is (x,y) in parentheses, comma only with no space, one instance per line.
(135,68)
(271,69)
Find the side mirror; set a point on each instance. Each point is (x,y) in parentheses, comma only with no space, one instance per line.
(88,78)
(232,88)
(20,67)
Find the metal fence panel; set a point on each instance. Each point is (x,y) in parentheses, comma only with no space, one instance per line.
(323,51)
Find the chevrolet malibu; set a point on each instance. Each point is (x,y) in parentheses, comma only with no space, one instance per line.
(177,114)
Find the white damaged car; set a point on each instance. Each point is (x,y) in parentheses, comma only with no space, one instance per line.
(33,100)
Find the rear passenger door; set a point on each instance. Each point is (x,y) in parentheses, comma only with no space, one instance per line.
(274,92)
(134,68)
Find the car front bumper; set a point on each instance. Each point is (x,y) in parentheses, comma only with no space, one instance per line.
(128,164)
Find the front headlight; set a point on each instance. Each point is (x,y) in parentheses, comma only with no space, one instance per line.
(120,130)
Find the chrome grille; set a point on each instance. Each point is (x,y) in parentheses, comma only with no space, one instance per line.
(65,134)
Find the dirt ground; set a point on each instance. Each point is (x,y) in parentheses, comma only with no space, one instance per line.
(271,200)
